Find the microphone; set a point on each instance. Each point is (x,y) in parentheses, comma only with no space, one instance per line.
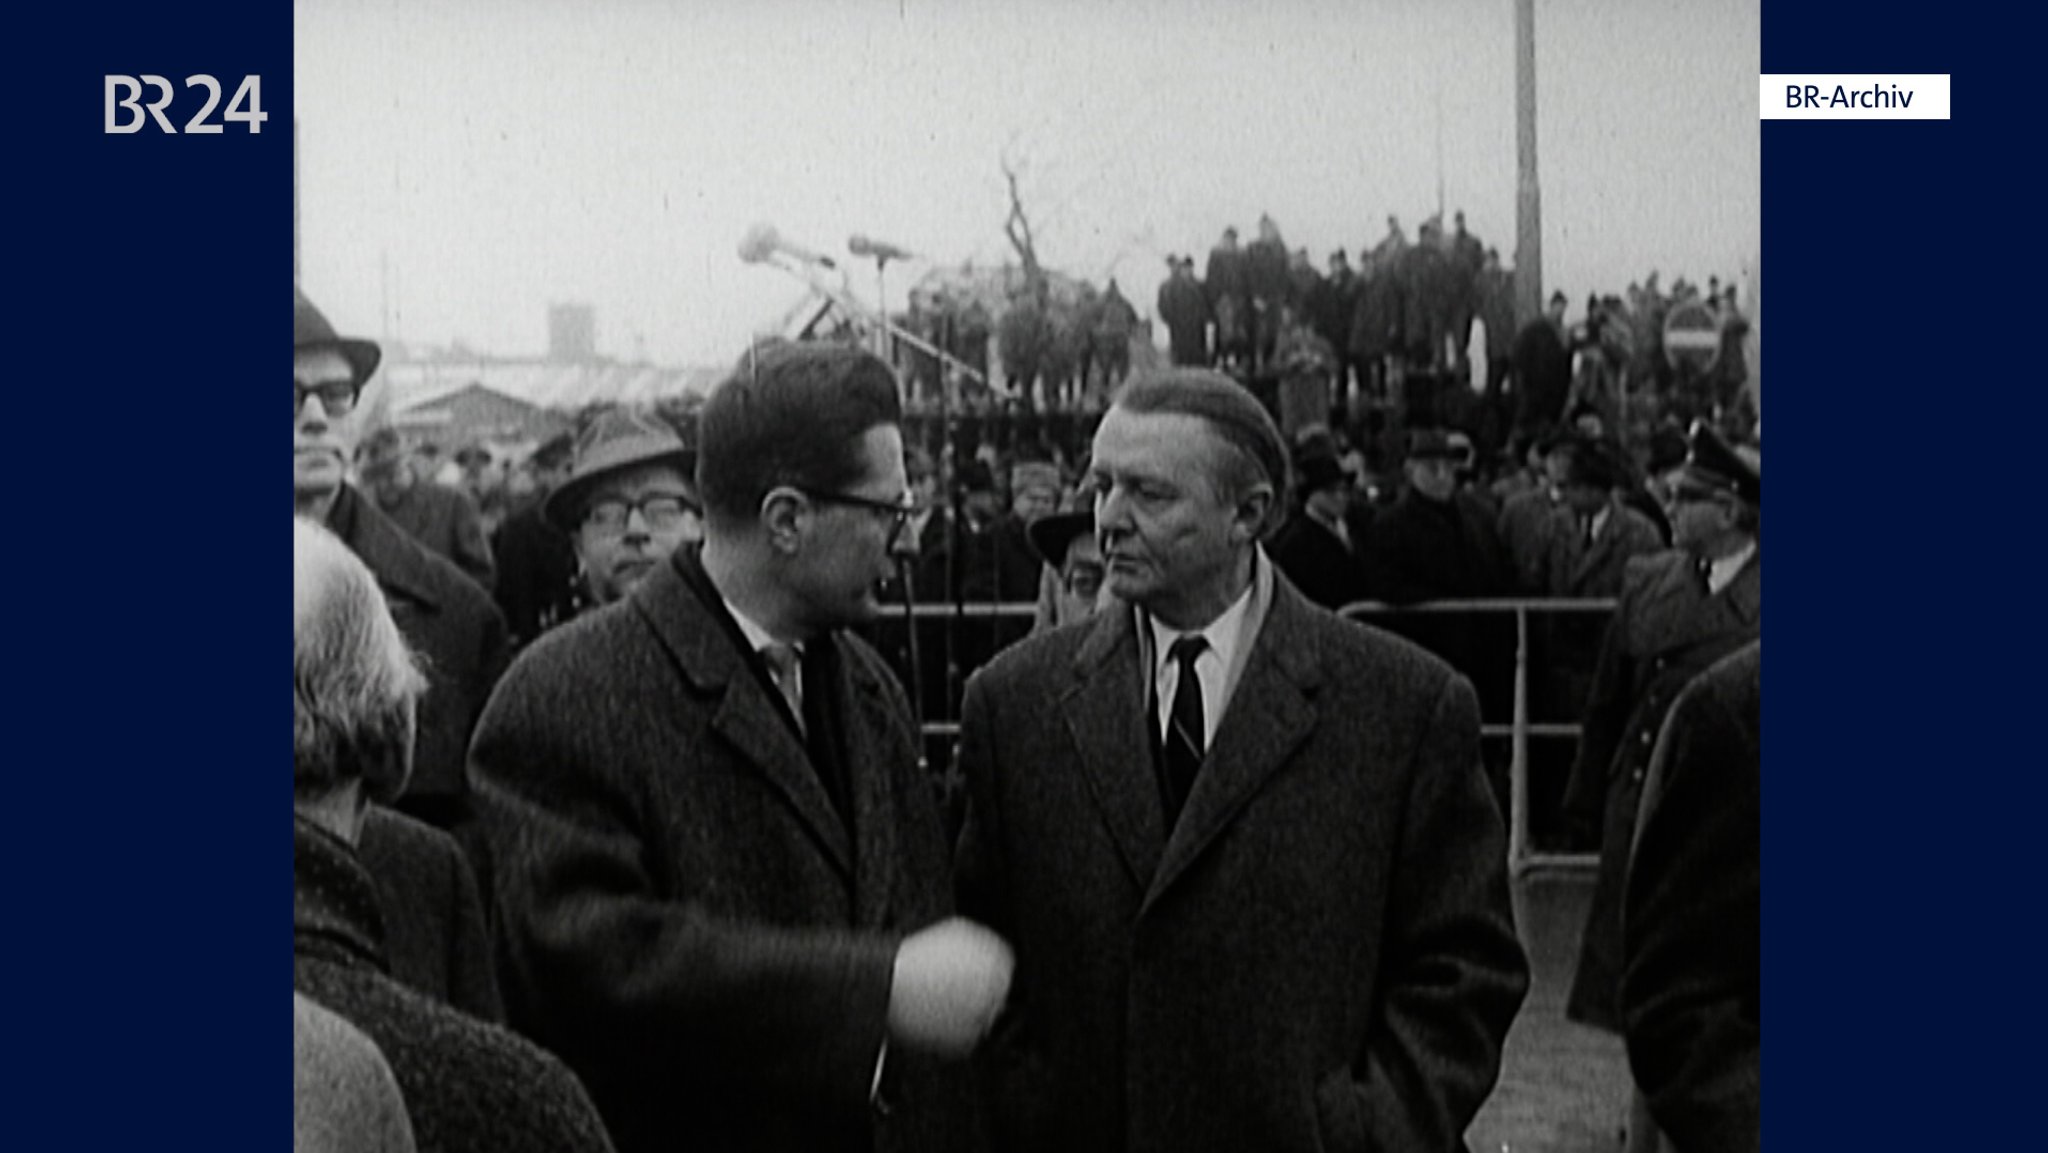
(762,242)
(879,249)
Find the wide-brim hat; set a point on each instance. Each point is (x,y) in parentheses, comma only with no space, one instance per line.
(1712,465)
(614,442)
(1050,535)
(310,330)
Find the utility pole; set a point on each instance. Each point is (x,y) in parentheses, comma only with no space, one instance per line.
(1528,190)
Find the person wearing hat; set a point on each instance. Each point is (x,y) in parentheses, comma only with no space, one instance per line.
(1070,581)
(1543,366)
(538,579)
(1319,547)
(722,877)
(1226,287)
(629,501)
(1680,611)
(444,519)
(1000,564)
(1437,541)
(444,615)
(1603,532)
(1185,312)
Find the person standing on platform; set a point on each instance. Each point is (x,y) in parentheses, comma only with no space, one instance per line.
(1251,867)
(1226,282)
(1185,313)
(1543,367)
(722,878)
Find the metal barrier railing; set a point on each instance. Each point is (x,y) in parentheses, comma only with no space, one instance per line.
(1522,855)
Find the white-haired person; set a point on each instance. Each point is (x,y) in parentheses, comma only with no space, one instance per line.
(356,689)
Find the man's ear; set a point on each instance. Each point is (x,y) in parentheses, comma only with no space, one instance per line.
(784,512)
(1252,510)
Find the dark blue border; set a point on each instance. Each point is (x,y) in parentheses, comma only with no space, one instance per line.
(1904,792)
(1903,813)
(144,595)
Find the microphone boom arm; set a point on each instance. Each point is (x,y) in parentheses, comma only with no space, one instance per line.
(855,308)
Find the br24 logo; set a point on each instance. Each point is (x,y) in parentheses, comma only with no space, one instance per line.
(126,113)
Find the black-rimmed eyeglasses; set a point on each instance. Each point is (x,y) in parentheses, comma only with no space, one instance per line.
(661,511)
(337,397)
(899,511)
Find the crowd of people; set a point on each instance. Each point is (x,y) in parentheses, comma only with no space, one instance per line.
(612,828)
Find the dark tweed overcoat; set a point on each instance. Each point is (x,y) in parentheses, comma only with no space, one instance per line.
(1320,956)
(434,938)
(451,623)
(469,1087)
(684,916)
(1665,631)
(1691,992)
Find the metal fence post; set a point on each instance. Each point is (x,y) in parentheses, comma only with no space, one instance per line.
(1518,762)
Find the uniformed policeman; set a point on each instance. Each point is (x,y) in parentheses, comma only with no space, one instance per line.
(1680,611)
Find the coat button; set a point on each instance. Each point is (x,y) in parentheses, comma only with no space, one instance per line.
(1647,738)
(1636,777)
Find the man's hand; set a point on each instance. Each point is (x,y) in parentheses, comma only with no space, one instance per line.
(950,983)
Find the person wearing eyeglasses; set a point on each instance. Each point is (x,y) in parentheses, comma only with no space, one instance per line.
(722,879)
(443,614)
(629,502)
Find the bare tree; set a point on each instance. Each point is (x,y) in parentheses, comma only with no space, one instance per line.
(1018,229)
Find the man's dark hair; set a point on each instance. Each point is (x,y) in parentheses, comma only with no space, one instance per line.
(1235,415)
(790,414)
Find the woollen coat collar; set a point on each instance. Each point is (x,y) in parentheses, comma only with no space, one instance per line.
(1270,714)
(684,611)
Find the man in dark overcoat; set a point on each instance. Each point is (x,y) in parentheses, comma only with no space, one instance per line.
(1185,312)
(445,616)
(1227,285)
(434,934)
(1691,995)
(1680,611)
(444,519)
(722,883)
(1543,367)
(467,1085)
(1264,904)
(538,586)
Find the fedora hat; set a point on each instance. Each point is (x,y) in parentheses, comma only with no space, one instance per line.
(615,441)
(311,331)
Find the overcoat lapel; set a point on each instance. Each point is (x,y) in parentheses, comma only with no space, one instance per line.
(745,718)
(870,726)
(1105,715)
(1267,718)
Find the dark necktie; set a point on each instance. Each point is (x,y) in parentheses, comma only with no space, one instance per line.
(1184,746)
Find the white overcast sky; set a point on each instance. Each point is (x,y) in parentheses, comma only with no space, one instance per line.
(465,163)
